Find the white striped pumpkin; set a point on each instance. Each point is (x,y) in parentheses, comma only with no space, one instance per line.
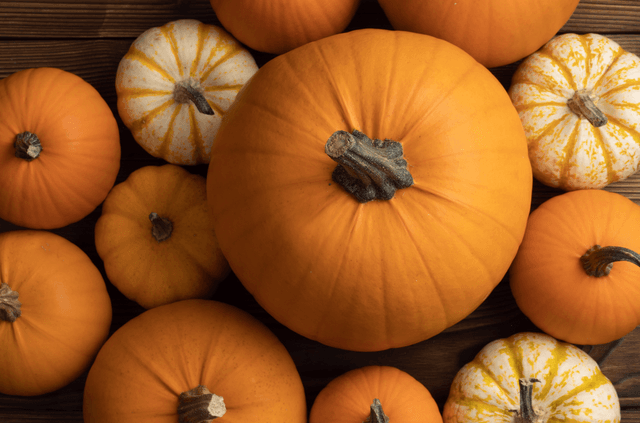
(171,80)
(579,101)
(531,378)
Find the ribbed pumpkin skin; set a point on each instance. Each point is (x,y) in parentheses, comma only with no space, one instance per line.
(567,151)
(181,52)
(494,32)
(549,283)
(277,26)
(152,359)
(385,273)
(66,312)
(80,155)
(572,387)
(348,398)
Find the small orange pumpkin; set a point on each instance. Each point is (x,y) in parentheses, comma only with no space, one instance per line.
(55,312)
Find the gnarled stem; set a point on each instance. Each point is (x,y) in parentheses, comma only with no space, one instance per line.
(598,261)
(185,93)
(583,105)
(368,169)
(27,146)
(526,413)
(10,307)
(162,227)
(199,405)
(376,415)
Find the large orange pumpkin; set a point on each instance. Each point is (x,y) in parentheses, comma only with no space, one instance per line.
(384,273)
(55,312)
(494,32)
(60,148)
(189,361)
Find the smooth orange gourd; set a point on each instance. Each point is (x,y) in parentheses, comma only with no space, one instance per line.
(387,272)
(55,312)
(170,363)
(60,148)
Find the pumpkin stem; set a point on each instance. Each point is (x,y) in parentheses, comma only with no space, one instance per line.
(376,415)
(10,307)
(27,146)
(185,93)
(598,261)
(199,405)
(162,227)
(582,104)
(526,413)
(368,169)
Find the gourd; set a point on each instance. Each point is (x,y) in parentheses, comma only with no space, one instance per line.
(566,276)
(494,32)
(277,26)
(376,394)
(156,238)
(55,312)
(578,100)
(175,84)
(531,378)
(402,267)
(60,148)
(170,363)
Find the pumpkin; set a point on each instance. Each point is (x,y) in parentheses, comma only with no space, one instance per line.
(55,312)
(531,378)
(156,238)
(277,26)
(60,148)
(579,104)
(192,361)
(576,273)
(332,265)
(175,84)
(376,394)
(494,32)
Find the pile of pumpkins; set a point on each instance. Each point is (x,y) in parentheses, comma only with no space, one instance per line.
(369,188)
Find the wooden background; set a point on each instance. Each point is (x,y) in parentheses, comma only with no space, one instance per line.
(89,37)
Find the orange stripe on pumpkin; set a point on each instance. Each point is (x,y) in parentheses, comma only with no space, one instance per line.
(138,56)
(173,44)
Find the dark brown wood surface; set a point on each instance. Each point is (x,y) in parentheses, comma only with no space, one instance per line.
(89,37)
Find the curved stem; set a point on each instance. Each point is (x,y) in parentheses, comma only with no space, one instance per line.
(162,227)
(376,415)
(582,104)
(598,261)
(10,307)
(185,93)
(27,146)
(199,405)
(526,413)
(368,169)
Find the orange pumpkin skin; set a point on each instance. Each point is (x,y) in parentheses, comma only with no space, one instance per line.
(65,312)
(147,363)
(348,398)
(277,26)
(550,285)
(494,32)
(80,155)
(381,274)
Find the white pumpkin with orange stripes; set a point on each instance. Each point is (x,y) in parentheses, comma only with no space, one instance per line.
(175,84)
(531,378)
(579,101)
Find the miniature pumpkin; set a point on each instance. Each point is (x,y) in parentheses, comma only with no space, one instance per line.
(579,104)
(175,84)
(55,312)
(277,26)
(156,238)
(531,378)
(564,277)
(171,363)
(335,267)
(494,32)
(60,148)
(376,394)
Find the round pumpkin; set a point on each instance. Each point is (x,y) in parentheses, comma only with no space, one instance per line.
(60,148)
(494,32)
(55,312)
(156,238)
(531,378)
(190,361)
(314,252)
(577,98)
(277,26)
(376,394)
(576,273)
(175,84)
